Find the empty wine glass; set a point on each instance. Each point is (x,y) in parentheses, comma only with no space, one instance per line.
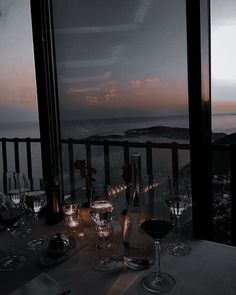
(178,199)
(38,201)
(156,221)
(17,190)
(101,214)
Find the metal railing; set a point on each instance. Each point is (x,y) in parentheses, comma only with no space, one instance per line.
(16,157)
(126,146)
(106,144)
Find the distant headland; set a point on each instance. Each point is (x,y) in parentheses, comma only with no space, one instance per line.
(154,131)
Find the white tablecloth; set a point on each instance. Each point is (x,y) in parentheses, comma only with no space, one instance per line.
(210,269)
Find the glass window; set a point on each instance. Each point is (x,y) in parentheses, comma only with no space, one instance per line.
(223,61)
(122,76)
(18,96)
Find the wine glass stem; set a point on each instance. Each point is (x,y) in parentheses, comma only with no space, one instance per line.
(36,216)
(12,242)
(178,225)
(158,260)
(103,240)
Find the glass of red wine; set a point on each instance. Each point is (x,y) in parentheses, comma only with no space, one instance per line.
(156,221)
(8,219)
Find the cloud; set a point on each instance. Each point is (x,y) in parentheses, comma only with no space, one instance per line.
(145,97)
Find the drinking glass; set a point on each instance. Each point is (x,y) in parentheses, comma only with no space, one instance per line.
(178,199)
(101,209)
(72,220)
(8,219)
(17,190)
(156,221)
(38,200)
(70,212)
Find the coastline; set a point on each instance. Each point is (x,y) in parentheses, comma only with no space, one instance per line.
(177,133)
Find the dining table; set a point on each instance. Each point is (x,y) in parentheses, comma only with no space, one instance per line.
(209,269)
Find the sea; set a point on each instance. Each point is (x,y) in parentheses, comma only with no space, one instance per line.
(83,128)
(116,126)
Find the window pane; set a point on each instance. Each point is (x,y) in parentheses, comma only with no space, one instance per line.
(223,46)
(122,69)
(18,96)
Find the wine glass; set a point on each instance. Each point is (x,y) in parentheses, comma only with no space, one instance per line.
(8,218)
(156,221)
(178,199)
(37,200)
(17,190)
(101,210)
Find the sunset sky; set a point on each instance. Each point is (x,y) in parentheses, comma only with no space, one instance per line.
(123,58)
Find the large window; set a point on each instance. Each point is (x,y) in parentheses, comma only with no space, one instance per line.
(122,69)
(223,46)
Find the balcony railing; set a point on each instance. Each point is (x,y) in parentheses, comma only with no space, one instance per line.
(15,157)
(126,146)
(70,145)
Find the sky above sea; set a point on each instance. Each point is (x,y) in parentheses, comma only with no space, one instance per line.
(114,61)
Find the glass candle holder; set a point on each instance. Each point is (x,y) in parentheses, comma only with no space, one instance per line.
(73,225)
(69,211)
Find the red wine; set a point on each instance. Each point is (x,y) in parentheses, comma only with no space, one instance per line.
(157,228)
(9,217)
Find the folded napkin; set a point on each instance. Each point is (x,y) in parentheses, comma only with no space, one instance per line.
(43,284)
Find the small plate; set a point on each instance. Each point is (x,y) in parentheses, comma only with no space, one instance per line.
(46,260)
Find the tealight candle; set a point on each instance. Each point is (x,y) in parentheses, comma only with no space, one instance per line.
(69,209)
(69,212)
(73,223)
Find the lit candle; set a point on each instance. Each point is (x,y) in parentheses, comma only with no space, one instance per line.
(69,212)
(73,223)
(69,209)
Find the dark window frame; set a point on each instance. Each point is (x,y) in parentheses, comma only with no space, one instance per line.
(199,77)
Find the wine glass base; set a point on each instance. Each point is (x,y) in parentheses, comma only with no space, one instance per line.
(103,263)
(12,262)
(37,244)
(179,249)
(158,286)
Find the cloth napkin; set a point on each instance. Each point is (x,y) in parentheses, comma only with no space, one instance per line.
(43,284)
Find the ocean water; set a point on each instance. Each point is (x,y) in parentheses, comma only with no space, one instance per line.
(84,128)
(20,129)
(116,126)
